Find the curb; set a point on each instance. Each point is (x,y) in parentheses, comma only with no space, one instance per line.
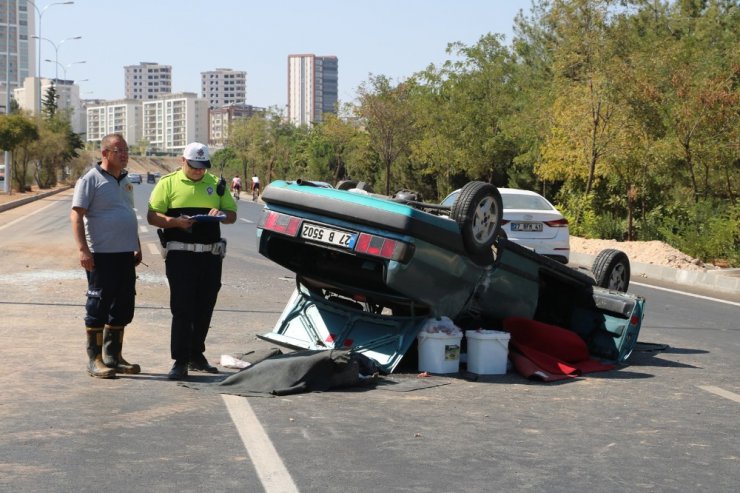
(31,198)
(721,280)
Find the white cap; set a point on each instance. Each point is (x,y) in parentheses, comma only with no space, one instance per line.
(196,154)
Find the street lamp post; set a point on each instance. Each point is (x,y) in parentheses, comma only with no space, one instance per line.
(56,48)
(40,13)
(64,67)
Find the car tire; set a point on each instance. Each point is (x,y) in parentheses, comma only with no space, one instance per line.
(478,211)
(611,270)
(346,184)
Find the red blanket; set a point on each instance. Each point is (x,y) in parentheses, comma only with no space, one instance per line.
(548,352)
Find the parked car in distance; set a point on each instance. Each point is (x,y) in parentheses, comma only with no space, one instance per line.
(531,221)
(134,178)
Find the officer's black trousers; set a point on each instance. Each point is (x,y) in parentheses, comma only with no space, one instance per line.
(195,280)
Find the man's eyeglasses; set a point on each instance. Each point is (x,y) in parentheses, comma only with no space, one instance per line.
(123,150)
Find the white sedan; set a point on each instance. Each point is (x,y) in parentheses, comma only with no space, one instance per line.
(531,221)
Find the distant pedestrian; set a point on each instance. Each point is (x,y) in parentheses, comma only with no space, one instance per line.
(195,252)
(106,232)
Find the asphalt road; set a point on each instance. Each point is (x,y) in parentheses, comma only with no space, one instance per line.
(666,421)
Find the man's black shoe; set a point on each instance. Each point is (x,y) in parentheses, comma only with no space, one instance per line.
(179,371)
(201,364)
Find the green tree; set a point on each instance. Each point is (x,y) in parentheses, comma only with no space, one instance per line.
(387,117)
(18,132)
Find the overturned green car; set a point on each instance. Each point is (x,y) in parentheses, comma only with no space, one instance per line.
(371,269)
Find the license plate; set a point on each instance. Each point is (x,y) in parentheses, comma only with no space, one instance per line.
(528,227)
(328,235)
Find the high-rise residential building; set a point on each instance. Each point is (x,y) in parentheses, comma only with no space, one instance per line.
(18,55)
(312,87)
(221,119)
(223,86)
(121,116)
(172,121)
(147,80)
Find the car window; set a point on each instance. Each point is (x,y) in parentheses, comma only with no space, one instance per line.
(531,202)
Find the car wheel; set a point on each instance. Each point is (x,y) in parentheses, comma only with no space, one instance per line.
(611,270)
(346,184)
(478,211)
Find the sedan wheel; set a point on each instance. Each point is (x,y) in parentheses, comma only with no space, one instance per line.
(478,211)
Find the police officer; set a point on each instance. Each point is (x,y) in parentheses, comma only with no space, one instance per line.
(189,205)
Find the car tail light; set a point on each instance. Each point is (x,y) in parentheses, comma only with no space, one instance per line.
(378,246)
(559,223)
(505,221)
(281,223)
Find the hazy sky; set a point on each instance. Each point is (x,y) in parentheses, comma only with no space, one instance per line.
(395,38)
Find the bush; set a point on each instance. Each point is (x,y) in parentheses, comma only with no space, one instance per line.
(706,231)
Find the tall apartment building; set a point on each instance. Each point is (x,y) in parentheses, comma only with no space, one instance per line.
(122,116)
(223,86)
(18,56)
(172,121)
(147,81)
(312,87)
(221,119)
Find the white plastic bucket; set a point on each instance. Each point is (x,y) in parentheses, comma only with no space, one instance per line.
(488,351)
(439,352)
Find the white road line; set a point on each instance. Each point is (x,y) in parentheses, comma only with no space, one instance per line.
(24,218)
(143,229)
(685,293)
(720,392)
(246,220)
(153,248)
(268,464)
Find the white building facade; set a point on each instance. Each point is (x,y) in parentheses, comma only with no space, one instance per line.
(172,121)
(313,87)
(221,119)
(68,99)
(147,81)
(223,86)
(121,116)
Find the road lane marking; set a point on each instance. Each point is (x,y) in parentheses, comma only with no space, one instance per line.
(721,392)
(268,464)
(143,229)
(23,218)
(246,220)
(153,248)
(675,291)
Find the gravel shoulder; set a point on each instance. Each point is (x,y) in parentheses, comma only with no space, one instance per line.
(644,252)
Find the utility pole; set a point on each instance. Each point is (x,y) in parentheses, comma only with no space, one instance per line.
(7,187)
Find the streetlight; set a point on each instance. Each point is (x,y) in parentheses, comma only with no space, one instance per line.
(64,67)
(56,48)
(40,12)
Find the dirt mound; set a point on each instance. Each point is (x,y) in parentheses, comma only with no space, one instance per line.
(644,252)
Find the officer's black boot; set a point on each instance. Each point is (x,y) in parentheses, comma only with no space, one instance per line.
(96,367)
(112,345)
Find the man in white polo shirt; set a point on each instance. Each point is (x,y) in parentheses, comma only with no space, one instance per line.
(106,231)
